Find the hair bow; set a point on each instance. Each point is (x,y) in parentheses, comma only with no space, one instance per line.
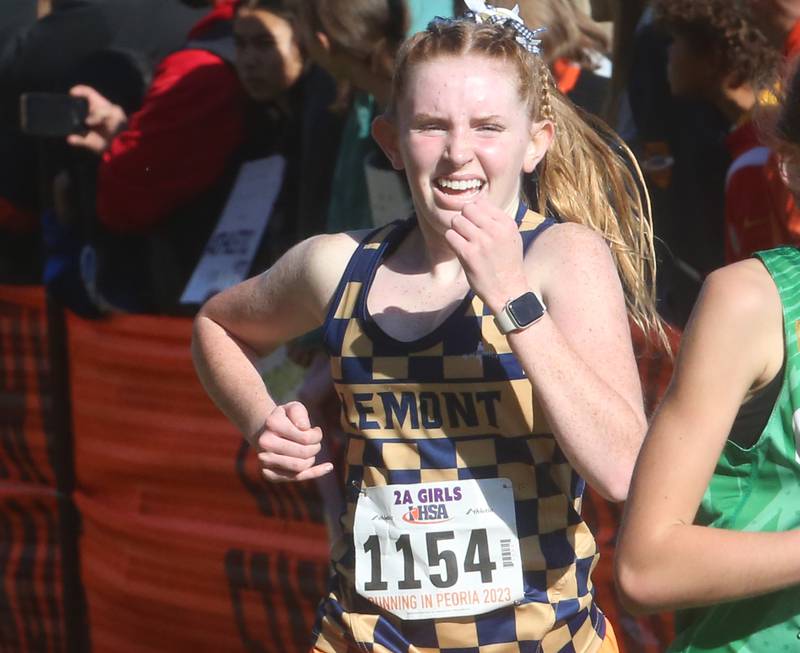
(480,12)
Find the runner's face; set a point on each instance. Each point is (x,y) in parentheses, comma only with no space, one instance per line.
(463,133)
(268,58)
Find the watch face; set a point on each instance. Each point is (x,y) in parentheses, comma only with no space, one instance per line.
(526,309)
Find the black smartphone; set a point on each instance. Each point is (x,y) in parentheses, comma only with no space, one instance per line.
(52,114)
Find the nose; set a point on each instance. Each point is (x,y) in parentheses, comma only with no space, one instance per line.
(459,148)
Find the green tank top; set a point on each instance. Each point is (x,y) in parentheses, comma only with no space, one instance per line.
(758,489)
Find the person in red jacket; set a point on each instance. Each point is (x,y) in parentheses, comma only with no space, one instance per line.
(181,139)
(240,90)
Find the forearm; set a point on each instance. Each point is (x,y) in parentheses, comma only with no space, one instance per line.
(686,565)
(598,430)
(228,372)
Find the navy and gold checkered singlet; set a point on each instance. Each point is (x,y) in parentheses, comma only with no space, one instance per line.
(454,405)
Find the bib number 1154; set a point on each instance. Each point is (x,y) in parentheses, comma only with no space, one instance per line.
(457,555)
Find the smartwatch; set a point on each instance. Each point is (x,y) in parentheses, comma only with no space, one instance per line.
(520,313)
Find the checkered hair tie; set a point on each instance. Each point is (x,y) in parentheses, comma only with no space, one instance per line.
(482,13)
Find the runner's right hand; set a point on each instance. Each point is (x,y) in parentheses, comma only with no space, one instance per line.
(288,445)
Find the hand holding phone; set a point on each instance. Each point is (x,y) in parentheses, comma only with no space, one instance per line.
(104,121)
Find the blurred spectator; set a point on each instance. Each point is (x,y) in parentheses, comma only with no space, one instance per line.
(239,91)
(50,54)
(719,55)
(43,55)
(681,145)
(356,42)
(575,49)
(625,16)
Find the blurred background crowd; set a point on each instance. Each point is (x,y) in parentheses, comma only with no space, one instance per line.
(211,136)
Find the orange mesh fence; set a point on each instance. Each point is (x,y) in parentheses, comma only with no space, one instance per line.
(634,634)
(31,591)
(31,603)
(184,547)
(25,387)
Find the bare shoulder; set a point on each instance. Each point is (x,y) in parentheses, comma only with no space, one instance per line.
(741,291)
(569,242)
(567,254)
(324,259)
(289,299)
(738,318)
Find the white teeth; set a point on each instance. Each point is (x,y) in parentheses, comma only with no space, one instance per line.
(459,184)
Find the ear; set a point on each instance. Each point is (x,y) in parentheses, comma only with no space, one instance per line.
(542,134)
(733,80)
(384,131)
(323,41)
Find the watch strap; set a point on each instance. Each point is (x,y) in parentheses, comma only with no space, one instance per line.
(505,321)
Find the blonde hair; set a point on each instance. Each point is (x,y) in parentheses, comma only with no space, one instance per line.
(585,154)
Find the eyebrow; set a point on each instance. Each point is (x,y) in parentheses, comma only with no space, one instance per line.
(489,117)
(427,117)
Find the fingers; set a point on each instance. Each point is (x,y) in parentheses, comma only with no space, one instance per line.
(281,422)
(99,106)
(307,475)
(297,414)
(288,445)
(81,90)
(466,228)
(91,141)
(270,443)
(481,213)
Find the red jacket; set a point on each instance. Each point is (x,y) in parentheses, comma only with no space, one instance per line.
(791,48)
(760,212)
(180,141)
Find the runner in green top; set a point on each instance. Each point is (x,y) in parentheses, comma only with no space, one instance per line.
(712,526)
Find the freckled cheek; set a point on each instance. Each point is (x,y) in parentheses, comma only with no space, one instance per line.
(501,160)
(422,153)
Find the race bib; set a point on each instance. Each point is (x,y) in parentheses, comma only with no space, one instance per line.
(232,247)
(442,549)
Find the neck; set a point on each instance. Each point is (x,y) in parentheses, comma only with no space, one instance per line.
(434,253)
(735,103)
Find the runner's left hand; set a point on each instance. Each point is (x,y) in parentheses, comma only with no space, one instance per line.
(488,244)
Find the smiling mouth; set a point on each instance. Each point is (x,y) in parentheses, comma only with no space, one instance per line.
(461,187)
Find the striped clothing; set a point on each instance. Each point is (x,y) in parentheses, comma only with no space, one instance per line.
(454,405)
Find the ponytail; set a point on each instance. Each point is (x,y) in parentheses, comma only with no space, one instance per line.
(586,154)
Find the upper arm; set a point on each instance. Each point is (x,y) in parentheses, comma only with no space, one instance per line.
(176,145)
(733,342)
(289,299)
(575,272)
